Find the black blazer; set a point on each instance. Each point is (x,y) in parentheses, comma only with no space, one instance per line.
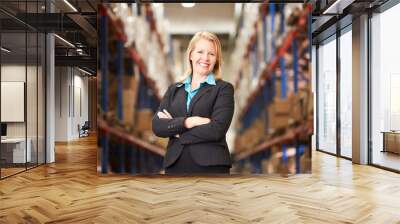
(207,143)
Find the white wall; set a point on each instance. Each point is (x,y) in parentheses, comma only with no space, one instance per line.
(71,93)
(213,17)
(12,73)
(61,103)
(33,127)
(80,84)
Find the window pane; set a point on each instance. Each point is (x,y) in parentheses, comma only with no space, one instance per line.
(41,99)
(327,97)
(31,97)
(385,88)
(14,153)
(346,94)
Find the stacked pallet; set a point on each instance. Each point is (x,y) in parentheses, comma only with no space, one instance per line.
(274,123)
(133,74)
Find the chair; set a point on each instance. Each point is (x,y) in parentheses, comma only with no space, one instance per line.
(84,130)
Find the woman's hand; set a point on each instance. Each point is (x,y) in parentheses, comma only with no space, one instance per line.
(192,122)
(164,114)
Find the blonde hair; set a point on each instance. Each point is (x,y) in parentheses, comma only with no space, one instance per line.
(217,44)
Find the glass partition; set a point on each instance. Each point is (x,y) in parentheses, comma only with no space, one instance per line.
(327,96)
(385,89)
(346,93)
(41,109)
(22,88)
(31,98)
(13,108)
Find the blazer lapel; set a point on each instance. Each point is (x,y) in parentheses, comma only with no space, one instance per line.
(201,92)
(180,97)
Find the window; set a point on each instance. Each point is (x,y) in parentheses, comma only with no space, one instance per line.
(346,93)
(22,75)
(327,96)
(385,87)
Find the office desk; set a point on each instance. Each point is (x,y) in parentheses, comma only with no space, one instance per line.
(391,141)
(13,150)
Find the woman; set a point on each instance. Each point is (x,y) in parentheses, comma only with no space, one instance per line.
(195,114)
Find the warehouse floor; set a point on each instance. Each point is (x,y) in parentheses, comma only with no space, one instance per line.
(71,191)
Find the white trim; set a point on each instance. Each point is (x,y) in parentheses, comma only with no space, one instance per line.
(5,50)
(70,5)
(64,40)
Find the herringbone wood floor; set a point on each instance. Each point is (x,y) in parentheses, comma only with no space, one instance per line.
(70,191)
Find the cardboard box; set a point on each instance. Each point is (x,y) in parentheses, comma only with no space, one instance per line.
(162,142)
(143,120)
(128,107)
(151,138)
(278,87)
(250,137)
(238,144)
(282,106)
(310,106)
(129,99)
(112,94)
(247,139)
(305,163)
(298,110)
(256,132)
(278,114)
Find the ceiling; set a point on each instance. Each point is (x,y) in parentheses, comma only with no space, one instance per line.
(336,14)
(214,17)
(75,22)
(19,54)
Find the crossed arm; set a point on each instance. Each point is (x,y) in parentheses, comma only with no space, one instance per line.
(196,129)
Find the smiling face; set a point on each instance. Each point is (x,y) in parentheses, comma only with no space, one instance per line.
(203,57)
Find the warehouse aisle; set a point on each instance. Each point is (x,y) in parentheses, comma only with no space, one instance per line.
(266,57)
(71,191)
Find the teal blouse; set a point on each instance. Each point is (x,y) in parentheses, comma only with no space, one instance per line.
(190,94)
